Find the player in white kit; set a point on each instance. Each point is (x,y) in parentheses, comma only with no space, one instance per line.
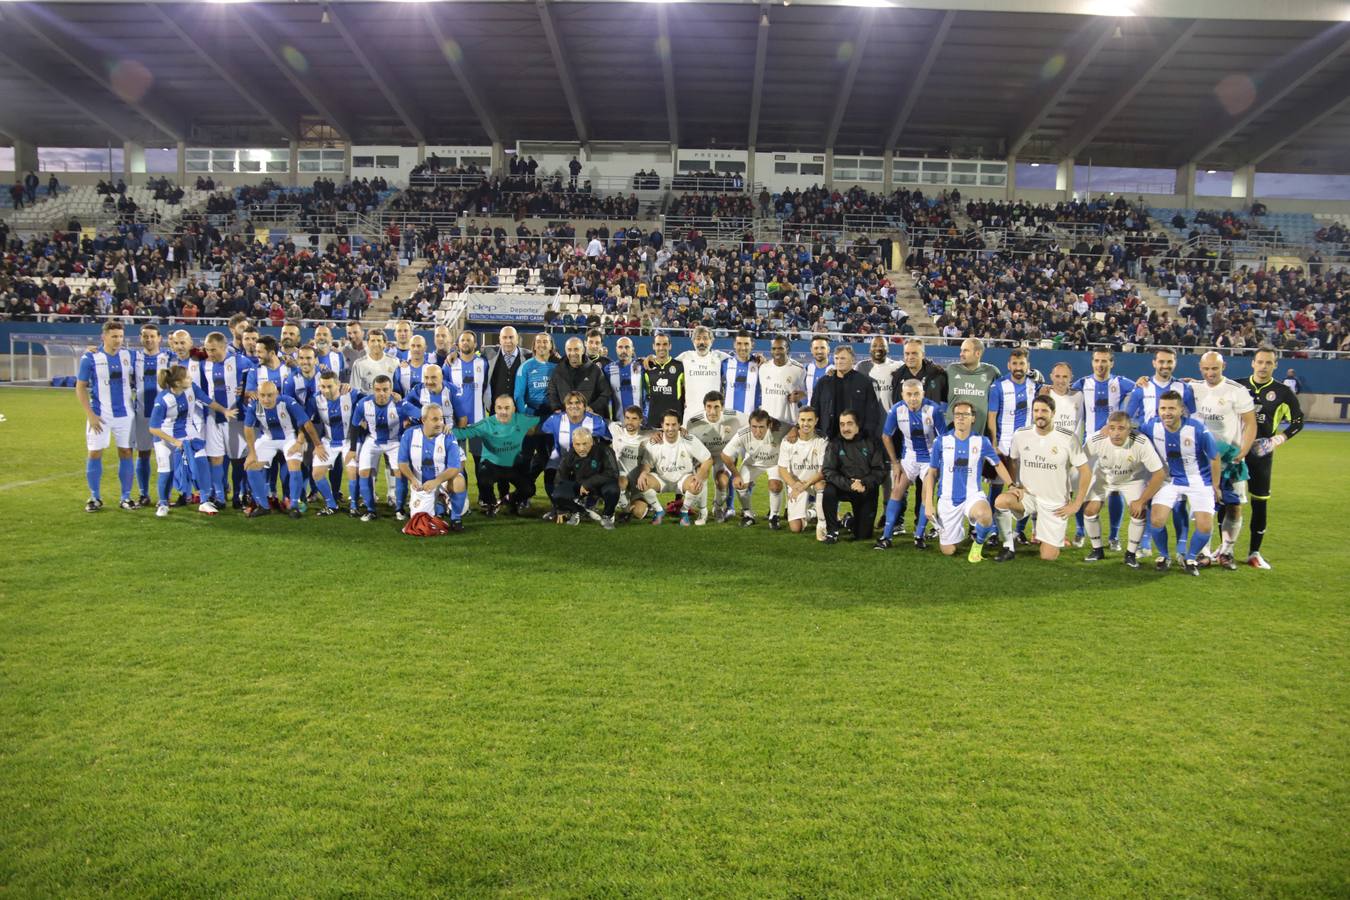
(800,469)
(1126,464)
(626,438)
(1069,416)
(1044,459)
(782,382)
(1229,412)
(748,455)
(713,428)
(702,371)
(675,463)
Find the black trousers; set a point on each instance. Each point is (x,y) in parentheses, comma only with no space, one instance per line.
(567,497)
(517,479)
(864,509)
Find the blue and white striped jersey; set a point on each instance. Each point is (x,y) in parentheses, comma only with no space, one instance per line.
(280,423)
(560,428)
(740,385)
(423,397)
(919,429)
(181,415)
(148,367)
(111,379)
(331,416)
(383,423)
(1187,451)
(258,374)
(1143,402)
(429,456)
(959,462)
(225,380)
(1010,402)
(1101,398)
(625,383)
(470,378)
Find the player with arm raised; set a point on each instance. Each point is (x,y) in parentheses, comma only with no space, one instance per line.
(1124,464)
(677,464)
(750,453)
(801,469)
(1229,412)
(912,428)
(1195,472)
(1276,404)
(958,459)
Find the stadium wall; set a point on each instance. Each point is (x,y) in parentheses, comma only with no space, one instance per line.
(1326,394)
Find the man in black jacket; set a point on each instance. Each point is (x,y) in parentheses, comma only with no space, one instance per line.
(588,475)
(855,466)
(919,367)
(504,362)
(576,373)
(846,389)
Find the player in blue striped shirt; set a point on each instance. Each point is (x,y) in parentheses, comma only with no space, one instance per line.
(274,425)
(625,379)
(1103,394)
(150,361)
(332,418)
(429,457)
(1195,470)
(105,388)
(912,428)
(378,425)
(176,426)
(956,462)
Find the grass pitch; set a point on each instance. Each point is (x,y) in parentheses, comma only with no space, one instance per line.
(199,707)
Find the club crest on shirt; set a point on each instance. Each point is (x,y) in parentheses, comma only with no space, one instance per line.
(1270,395)
(1186,442)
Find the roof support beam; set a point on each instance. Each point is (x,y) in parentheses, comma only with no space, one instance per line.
(761,57)
(1079,54)
(667,72)
(850,75)
(1134,81)
(564,71)
(171,122)
(916,84)
(52,82)
(451,51)
(383,80)
(282,120)
(1292,124)
(267,41)
(1292,72)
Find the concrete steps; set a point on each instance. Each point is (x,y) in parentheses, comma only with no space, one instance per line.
(907,297)
(404,286)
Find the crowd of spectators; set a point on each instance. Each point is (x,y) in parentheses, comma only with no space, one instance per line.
(1109,217)
(712,206)
(1227,224)
(707,181)
(824,207)
(1335,233)
(518,197)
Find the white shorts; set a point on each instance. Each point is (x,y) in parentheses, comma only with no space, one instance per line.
(421,501)
(141,435)
(952,519)
(370,451)
(797,506)
(266,450)
(1200,496)
(164,453)
(224,439)
(668,487)
(337,455)
(1050,528)
(750,474)
(117,429)
(914,470)
(1130,491)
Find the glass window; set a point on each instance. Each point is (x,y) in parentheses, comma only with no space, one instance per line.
(363,162)
(785,168)
(385,162)
(729,166)
(813,168)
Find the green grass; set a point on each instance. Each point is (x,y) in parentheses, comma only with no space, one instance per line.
(199,707)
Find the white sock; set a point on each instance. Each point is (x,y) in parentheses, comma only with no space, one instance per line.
(653,500)
(1007,524)
(1231,528)
(775,502)
(1093,526)
(1136,534)
(745,500)
(720,499)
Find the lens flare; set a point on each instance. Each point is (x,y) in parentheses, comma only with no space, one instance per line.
(1053,66)
(295,59)
(452,51)
(1236,93)
(844,53)
(130,80)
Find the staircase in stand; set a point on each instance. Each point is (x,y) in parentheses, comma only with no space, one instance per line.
(404,286)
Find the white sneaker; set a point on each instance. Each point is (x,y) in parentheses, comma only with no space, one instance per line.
(1080,541)
(702,517)
(208,509)
(162,512)
(1143,553)
(1257,561)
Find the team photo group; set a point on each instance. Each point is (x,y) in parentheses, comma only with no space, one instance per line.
(276,425)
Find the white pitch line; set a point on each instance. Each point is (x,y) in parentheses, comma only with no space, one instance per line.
(19,484)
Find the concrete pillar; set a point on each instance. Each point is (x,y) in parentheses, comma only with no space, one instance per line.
(422,152)
(674,160)
(829,167)
(182,163)
(1064,177)
(1185,185)
(133,161)
(1244,184)
(25,158)
(293,164)
(1010,183)
(498,163)
(347,163)
(887,173)
(750,172)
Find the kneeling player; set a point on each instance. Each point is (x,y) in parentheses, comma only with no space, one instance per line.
(958,458)
(588,476)
(627,439)
(750,453)
(429,457)
(1044,457)
(1194,470)
(675,463)
(1124,464)
(272,425)
(800,467)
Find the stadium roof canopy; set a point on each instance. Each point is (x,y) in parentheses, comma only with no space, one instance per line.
(1220,83)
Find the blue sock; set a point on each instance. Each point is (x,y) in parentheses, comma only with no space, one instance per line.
(165,480)
(1160,541)
(143,475)
(202,466)
(297,492)
(354,490)
(237,478)
(368,491)
(1078,520)
(1181,521)
(126,474)
(326,490)
(400,492)
(1199,541)
(458,500)
(981,532)
(1116,507)
(920,521)
(218,480)
(892,513)
(93,476)
(257,482)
